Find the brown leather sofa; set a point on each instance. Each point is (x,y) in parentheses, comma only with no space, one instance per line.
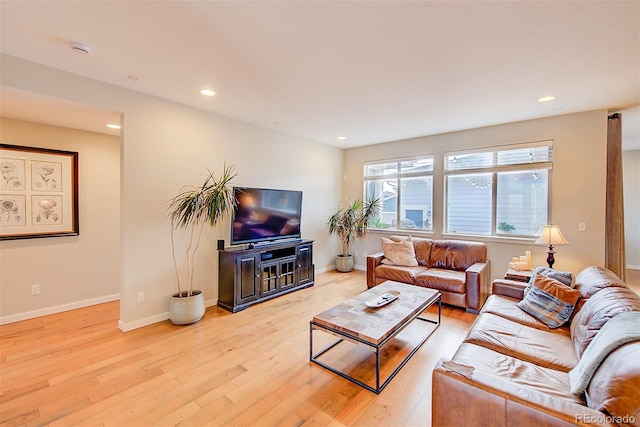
(456,268)
(512,370)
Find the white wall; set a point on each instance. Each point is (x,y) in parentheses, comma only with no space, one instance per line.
(631,178)
(167,145)
(578,183)
(71,271)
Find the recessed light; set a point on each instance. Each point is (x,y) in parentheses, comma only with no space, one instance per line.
(207,92)
(547,98)
(112,126)
(342,138)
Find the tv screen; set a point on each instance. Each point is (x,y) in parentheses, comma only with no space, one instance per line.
(263,215)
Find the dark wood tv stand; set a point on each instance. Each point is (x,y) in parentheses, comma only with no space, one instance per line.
(249,275)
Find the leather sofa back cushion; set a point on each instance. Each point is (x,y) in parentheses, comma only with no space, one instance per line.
(593,279)
(615,387)
(598,310)
(456,255)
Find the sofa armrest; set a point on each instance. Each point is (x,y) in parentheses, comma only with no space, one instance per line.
(477,285)
(508,288)
(373,261)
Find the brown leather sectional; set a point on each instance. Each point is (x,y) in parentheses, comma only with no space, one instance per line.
(512,370)
(456,268)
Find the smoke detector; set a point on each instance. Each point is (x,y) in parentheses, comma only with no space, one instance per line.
(80,48)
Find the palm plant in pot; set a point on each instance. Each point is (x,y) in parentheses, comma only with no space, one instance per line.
(191,210)
(350,223)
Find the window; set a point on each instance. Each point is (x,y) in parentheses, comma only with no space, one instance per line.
(500,191)
(405,188)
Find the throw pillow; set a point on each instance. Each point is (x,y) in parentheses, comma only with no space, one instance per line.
(549,301)
(399,253)
(564,277)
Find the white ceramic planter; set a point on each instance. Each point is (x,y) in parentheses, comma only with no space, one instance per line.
(186,310)
(344,264)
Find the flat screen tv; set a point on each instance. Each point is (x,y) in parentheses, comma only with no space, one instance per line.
(264,215)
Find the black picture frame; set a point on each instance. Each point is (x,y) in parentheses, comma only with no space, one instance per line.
(38,192)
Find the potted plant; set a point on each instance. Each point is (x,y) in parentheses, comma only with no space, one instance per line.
(192,209)
(350,223)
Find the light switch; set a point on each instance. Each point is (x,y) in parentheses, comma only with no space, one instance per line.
(582,226)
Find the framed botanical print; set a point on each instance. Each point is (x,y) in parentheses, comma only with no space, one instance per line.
(38,192)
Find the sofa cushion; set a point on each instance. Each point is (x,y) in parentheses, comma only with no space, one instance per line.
(598,310)
(398,273)
(399,253)
(615,387)
(564,277)
(421,246)
(442,280)
(507,307)
(530,375)
(549,301)
(548,348)
(456,255)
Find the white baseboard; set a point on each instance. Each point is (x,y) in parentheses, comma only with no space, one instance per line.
(126,327)
(633,267)
(325,269)
(57,309)
(333,267)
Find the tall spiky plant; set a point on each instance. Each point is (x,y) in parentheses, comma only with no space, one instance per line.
(350,222)
(192,209)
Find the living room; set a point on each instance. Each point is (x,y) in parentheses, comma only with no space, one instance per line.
(126,180)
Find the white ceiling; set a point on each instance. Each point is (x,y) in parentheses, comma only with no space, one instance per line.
(370,71)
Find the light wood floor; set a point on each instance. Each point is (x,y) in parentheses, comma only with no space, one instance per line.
(249,368)
(633,280)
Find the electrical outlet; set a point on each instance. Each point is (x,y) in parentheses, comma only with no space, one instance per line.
(35,289)
(140,296)
(582,226)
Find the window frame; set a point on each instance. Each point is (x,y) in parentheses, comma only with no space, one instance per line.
(494,169)
(399,176)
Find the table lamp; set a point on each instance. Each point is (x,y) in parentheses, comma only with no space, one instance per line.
(551,235)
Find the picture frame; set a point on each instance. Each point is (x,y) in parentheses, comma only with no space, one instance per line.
(38,192)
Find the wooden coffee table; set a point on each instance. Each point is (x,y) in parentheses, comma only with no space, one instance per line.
(372,328)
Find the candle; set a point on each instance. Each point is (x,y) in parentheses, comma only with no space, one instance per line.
(515,259)
(528,255)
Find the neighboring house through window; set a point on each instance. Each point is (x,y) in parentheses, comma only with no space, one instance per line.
(498,191)
(405,188)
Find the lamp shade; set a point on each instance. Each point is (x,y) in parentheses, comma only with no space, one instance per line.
(551,235)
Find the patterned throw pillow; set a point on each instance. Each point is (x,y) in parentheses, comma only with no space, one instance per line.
(549,301)
(399,253)
(564,277)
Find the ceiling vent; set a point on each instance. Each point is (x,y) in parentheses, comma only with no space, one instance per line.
(80,48)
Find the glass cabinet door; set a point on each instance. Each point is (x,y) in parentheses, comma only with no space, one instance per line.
(269,278)
(287,273)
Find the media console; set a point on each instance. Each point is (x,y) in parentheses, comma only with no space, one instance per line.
(249,275)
